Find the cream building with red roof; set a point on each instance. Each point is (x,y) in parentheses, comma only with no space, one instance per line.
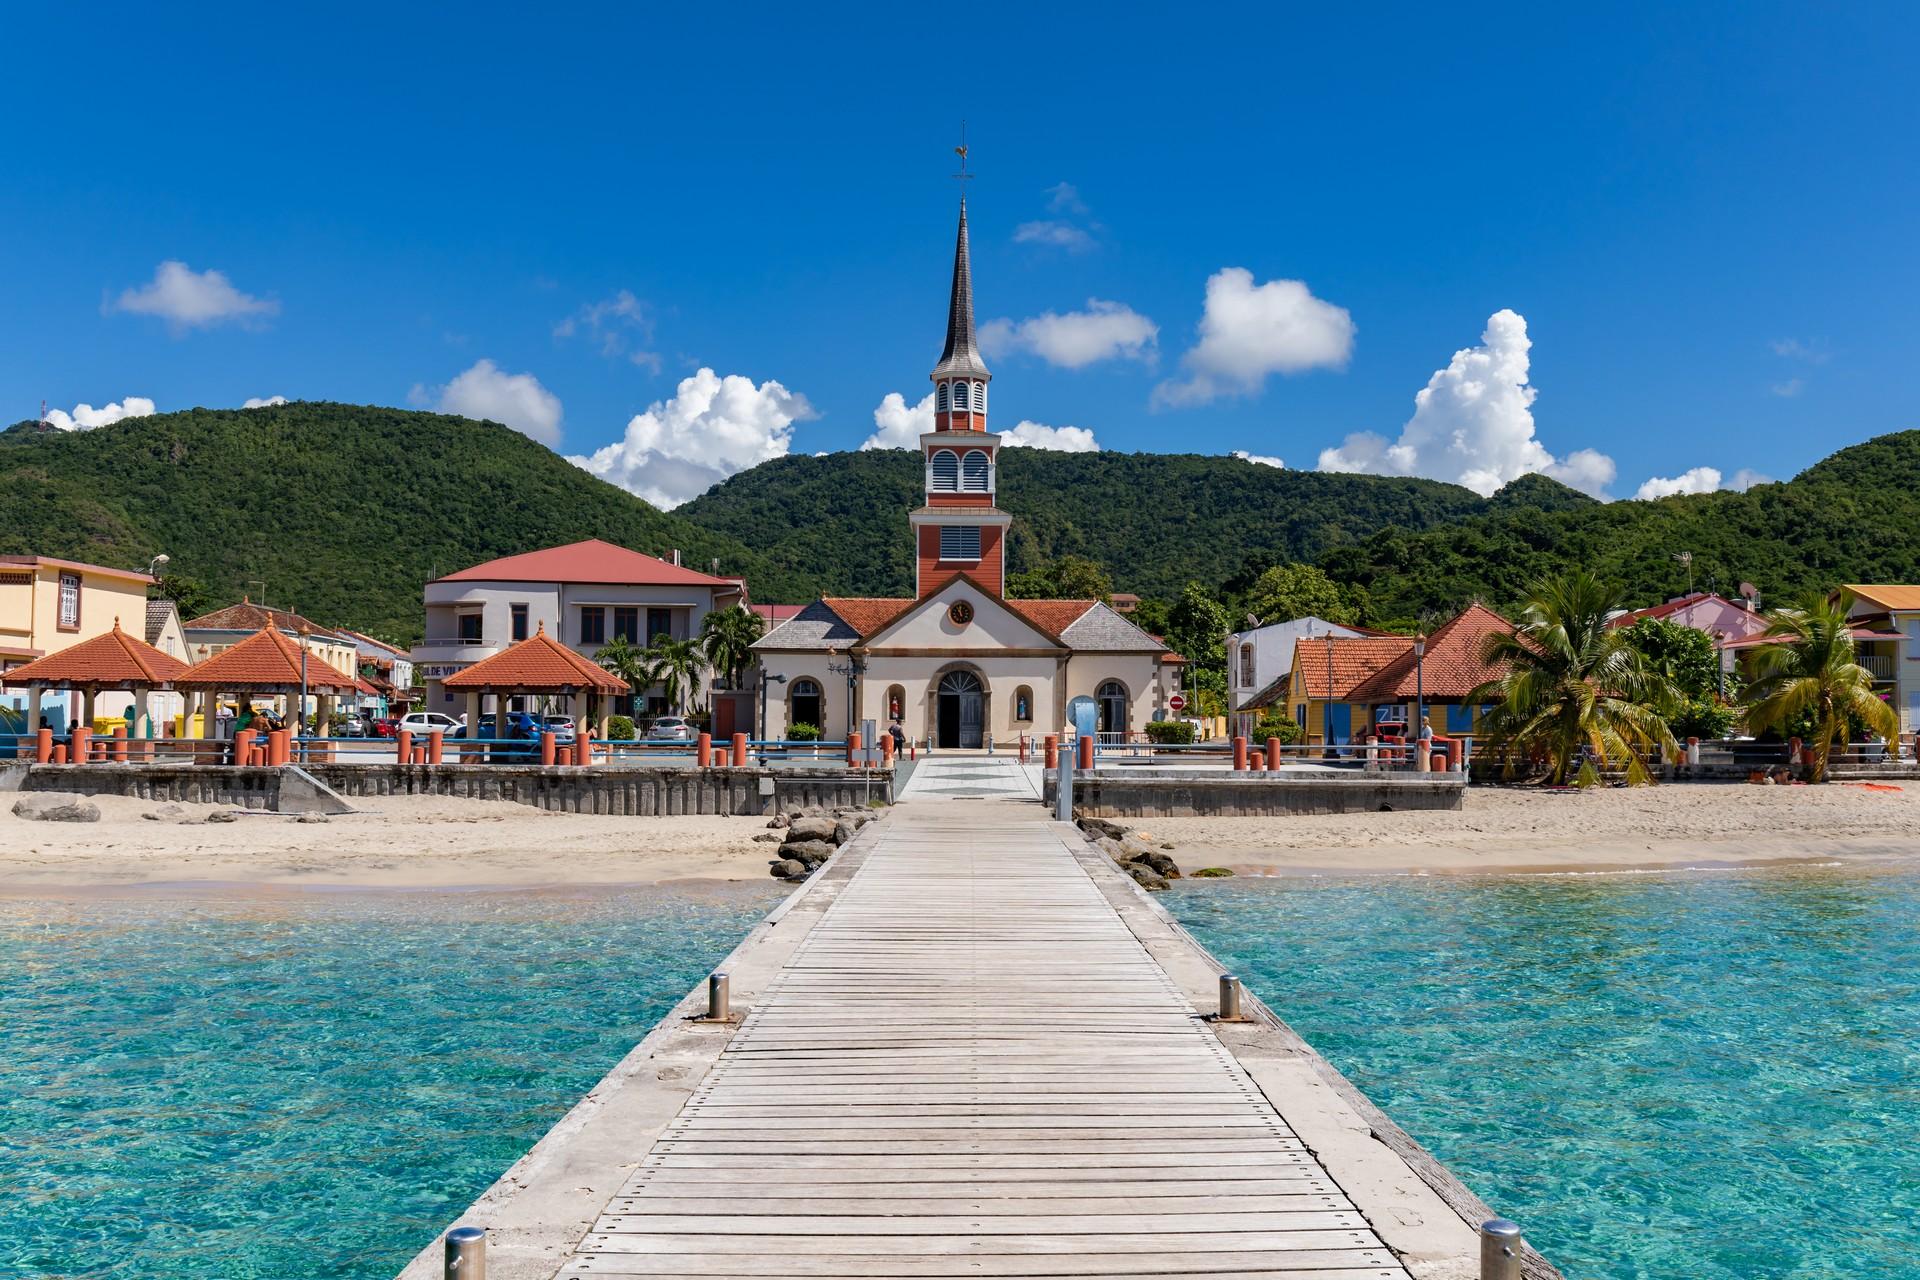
(959,665)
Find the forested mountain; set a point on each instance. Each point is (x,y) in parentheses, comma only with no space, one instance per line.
(344,511)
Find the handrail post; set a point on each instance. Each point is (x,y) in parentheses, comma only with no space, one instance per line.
(466,1254)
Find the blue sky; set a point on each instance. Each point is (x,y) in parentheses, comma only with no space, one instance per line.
(1701,220)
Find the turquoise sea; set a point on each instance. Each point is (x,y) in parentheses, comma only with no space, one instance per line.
(308,1085)
(1689,1076)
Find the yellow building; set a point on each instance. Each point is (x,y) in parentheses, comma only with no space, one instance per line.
(48,604)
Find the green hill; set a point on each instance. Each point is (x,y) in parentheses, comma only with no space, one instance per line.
(343,511)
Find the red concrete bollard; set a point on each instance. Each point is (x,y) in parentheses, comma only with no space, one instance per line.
(886,750)
(583,749)
(403,746)
(1052,757)
(43,746)
(1023,748)
(1086,752)
(739,750)
(548,749)
(243,747)
(703,750)
(436,746)
(59,754)
(853,748)
(1273,753)
(118,748)
(1240,754)
(80,750)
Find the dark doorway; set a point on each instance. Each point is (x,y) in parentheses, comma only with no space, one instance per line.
(1112,697)
(806,705)
(962,710)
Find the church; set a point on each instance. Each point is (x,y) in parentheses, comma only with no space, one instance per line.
(959,665)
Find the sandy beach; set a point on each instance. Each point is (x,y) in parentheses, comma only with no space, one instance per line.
(1518,830)
(397,842)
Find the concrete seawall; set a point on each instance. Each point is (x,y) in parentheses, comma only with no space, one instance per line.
(1131,793)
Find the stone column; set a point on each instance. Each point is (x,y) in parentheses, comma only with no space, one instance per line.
(86,714)
(33,708)
(140,713)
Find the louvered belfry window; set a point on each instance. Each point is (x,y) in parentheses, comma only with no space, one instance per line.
(960,542)
(943,473)
(976,472)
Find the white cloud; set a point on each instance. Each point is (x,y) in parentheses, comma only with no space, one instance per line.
(1104,331)
(1035,435)
(620,326)
(1064,197)
(898,426)
(1249,331)
(1789,389)
(488,392)
(85,417)
(1692,480)
(1058,235)
(1746,477)
(1259,459)
(1795,349)
(255,402)
(188,299)
(712,428)
(1472,424)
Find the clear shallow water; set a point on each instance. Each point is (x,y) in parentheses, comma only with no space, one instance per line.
(1705,1076)
(188,1084)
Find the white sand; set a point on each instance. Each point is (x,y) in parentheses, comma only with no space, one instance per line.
(413,841)
(1501,829)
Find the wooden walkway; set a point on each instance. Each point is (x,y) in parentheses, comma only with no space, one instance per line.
(971,1067)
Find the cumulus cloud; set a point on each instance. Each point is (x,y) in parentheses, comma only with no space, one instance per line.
(1104,331)
(256,402)
(1259,459)
(1746,477)
(1055,234)
(1064,197)
(621,327)
(1472,424)
(489,392)
(1035,435)
(1795,349)
(1692,480)
(1789,389)
(897,426)
(1249,331)
(85,417)
(712,428)
(188,299)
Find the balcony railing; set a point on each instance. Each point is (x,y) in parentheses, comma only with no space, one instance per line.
(1878,665)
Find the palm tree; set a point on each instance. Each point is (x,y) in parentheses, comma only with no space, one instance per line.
(624,660)
(1574,684)
(677,666)
(1812,671)
(727,638)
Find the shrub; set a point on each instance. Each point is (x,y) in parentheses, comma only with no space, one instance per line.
(620,728)
(1277,724)
(1175,731)
(803,732)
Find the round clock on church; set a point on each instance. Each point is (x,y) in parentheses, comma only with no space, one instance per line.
(961,612)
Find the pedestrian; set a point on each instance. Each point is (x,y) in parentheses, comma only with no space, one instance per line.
(899,737)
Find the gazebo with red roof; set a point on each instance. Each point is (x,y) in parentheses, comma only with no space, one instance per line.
(538,665)
(114,661)
(266,663)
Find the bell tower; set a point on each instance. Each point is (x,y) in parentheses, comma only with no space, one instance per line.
(959,529)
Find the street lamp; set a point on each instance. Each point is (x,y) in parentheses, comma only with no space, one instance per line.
(851,669)
(300,721)
(154,564)
(1419,688)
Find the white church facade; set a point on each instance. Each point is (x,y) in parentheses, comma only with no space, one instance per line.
(959,666)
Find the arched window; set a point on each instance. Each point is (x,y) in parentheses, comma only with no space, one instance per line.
(979,397)
(976,472)
(1112,699)
(804,704)
(940,398)
(943,473)
(959,397)
(1246,665)
(1023,705)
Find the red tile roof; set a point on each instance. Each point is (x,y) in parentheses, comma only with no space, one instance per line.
(538,664)
(248,616)
(867,614)
(268,660)
(1051,616)
(1355,660)
(1384,669)
(115,660)
(589,561)
(1670,608)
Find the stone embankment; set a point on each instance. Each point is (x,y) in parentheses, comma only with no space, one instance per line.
(809,837)
(1138,854)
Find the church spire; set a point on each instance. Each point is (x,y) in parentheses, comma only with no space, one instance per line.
(961,357)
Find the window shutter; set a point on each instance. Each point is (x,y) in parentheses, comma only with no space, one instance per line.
(959,542)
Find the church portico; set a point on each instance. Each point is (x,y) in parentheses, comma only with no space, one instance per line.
(959,665)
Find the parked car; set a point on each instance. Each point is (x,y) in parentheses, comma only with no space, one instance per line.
(525,724)
(561,727)
(421,723)
(674,727)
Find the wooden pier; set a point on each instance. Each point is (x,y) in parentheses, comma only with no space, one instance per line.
(984,1053)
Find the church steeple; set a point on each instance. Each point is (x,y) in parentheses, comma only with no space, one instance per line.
(960,379)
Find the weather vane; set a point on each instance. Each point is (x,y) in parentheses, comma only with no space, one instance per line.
(961,151)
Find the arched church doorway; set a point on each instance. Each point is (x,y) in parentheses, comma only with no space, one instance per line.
(1112,699)
(961,710)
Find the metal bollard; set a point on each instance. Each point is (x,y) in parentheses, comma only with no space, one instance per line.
(466,1254)
(1229,998)
(1499,1250)
(719,997)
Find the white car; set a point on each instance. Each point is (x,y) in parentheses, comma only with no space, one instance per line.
(421,723)
(675,727)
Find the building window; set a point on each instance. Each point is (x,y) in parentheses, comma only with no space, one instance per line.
(940,398)
(1112,698)
(979,397)
(943,473)
(976,473)
(470,628)
(626,624)
(959,397)
(593,626)
(1246,665)
(960,542)
(69,602)
(519,612)
(806,704)
(1023,704)
(659,624)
